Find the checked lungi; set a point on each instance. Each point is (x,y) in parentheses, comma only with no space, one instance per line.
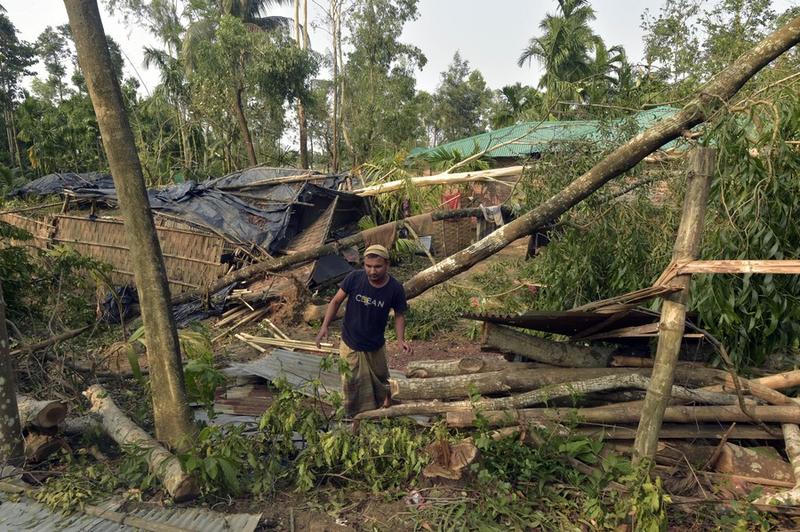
(367,386)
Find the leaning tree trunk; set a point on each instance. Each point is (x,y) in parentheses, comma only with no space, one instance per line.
(171,411)
(11,444)
(244,129)
(711,96)
(673,310)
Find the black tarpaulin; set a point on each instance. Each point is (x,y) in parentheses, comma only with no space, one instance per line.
(59,183)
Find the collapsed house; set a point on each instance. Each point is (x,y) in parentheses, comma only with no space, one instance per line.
(209,229)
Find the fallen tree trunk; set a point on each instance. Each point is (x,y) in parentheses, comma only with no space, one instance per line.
(162,463)
(295,259)
(30,348)
(515,380)
(539,349)
(673,414)
(425,369)
(441,179)
(708,99)
(40,414)
(543,395)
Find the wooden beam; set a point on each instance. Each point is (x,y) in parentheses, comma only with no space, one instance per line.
(785,267)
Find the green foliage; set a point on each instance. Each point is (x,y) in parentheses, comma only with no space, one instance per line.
(519,487)
(202,378)
(83,482)
(380,104)
(461,101)
(295,447)
(53,284)
(753,199)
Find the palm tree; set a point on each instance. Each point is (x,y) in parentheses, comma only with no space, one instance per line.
(605,72)
(203,29)
(511,102)
(563,48)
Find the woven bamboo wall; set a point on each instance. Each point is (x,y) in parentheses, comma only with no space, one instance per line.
(40,229)
(192,258)
(451,236)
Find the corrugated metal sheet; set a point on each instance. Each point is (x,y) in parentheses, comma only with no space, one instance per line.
(26,514)
(536,137)
(298,368)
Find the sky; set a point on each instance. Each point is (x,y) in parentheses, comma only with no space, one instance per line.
(490,35)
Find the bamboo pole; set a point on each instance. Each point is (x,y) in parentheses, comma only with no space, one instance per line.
(673,310)
(443,179)
(672,414)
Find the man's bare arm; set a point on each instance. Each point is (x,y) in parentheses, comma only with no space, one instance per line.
(400,329)
(330,313)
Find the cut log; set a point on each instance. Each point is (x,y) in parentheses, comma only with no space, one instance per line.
(40,446)
(448,461)
(40,414)
(514,380)
(162,463)
(425,369)
(673,414)
(563,354)
(543,395)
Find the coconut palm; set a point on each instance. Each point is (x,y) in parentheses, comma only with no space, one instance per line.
(563,48)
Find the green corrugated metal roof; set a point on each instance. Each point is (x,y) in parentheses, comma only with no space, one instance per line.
(535,137)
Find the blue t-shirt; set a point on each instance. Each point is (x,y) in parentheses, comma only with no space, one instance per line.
(367,310)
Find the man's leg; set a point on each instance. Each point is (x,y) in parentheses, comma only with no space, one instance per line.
(380,368)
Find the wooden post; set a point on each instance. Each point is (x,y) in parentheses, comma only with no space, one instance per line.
(673,311)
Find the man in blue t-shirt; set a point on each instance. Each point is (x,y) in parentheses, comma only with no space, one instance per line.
(370,294)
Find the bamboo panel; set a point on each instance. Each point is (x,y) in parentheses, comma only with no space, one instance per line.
(451,236)
(191,258)
(39,229)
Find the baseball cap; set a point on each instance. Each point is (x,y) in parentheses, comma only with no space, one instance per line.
(377,249)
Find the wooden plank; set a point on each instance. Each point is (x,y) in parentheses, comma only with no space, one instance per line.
(789,267)
(640,331)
